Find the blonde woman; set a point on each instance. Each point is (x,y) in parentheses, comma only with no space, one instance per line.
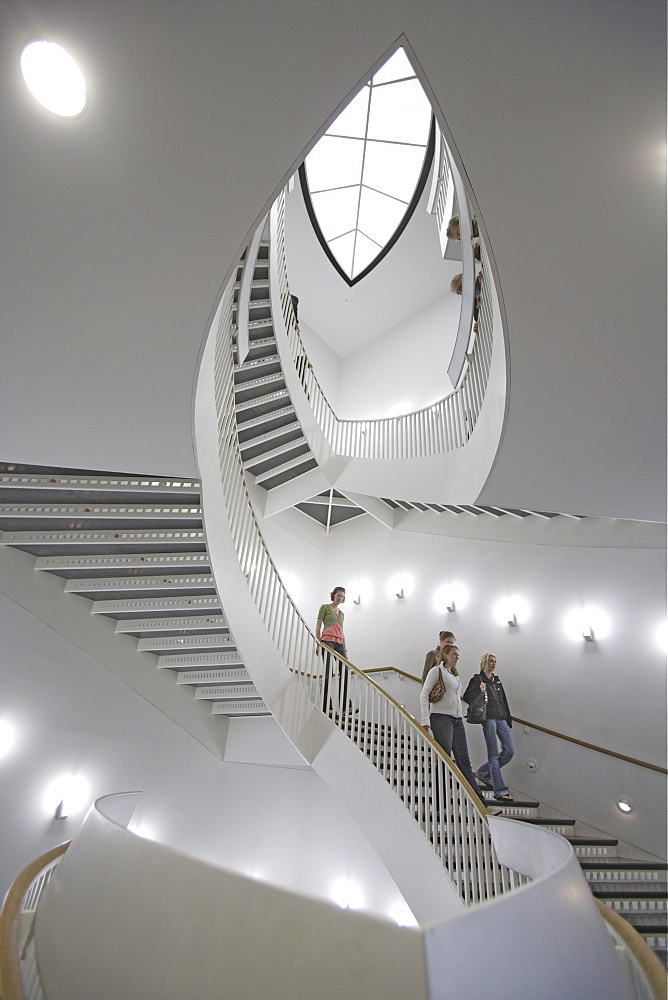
(445,718)
(496,728)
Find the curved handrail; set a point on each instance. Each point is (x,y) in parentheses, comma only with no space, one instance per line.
(643,955)
(441,427)
(457,829)
(542,729)
(24,885)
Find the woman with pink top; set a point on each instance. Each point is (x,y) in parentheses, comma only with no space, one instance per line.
(329,626)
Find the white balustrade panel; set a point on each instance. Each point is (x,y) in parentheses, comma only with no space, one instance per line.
(126,917)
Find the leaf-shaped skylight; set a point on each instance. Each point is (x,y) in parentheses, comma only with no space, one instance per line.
(363,174)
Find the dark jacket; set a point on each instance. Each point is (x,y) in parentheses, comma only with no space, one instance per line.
(497,703)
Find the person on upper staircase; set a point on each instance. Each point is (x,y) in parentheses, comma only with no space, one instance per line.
(430,658)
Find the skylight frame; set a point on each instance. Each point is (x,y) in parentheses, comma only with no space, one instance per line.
(363,127)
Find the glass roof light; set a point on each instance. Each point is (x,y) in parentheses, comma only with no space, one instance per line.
(53,78)
(363,175)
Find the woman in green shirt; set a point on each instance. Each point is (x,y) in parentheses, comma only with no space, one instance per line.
(329,626)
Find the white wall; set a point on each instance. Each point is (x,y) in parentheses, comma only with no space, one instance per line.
(610,693)
(406,368)
(274,817)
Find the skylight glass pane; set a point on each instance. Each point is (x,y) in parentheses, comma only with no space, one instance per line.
(334,163)
(352,120)
(400,112)
(382,135)
(396,67)
(392,169)
(336,211)
(343,251)
(379,216)
(365,252)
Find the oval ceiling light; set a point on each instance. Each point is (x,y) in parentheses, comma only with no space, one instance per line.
(53,78)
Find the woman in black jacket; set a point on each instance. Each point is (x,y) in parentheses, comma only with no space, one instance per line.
(496,728)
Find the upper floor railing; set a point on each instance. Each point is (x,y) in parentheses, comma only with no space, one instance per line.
(422,776)
(441,427)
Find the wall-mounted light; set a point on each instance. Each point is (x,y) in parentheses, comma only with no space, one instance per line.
(53,78)
(66,795)
(402,915)
(363,588)
(7,737)
(451,597)
(347,894)
(588,623)
(662,636)
(624,804)
(512,611)
(400,585)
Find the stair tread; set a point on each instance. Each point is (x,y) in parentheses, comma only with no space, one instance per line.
(631,864)
(592,841)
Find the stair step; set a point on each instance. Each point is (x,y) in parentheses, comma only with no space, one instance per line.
(292,464)
(181,582)
(157,644)
(135,560)
(93,511)
(239,708)
(138,539)
(214,675)
(250,368)
(193,661)
(28,482)
(281,449)
(591,847)
(195,623)
(191,664)
(168,605)
(271,397)
(219,692)
(261,382)
(263,418)
(268,436)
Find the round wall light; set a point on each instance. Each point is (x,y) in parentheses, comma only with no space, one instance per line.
(53,78)
(7,737)
(624,804)
(512,610)
(662,636)
(347,894)
(451,597)
(401,585)
(360,591)
(66,795)
(588,623)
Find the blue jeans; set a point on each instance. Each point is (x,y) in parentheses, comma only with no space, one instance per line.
(450,733)
(496,731)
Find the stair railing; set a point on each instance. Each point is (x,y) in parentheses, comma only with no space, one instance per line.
(441,427)
(426,780)
(19,975)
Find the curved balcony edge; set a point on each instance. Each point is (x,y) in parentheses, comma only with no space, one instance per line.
(123,916)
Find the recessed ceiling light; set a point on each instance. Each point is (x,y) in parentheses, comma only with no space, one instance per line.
(53,78)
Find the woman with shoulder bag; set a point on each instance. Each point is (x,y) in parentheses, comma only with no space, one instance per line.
(496,726)
(444,716)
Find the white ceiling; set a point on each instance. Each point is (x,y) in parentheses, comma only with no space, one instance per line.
(119,228)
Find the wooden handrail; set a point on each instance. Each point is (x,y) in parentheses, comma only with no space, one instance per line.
(11,984)
(542,729)
(591,746)
(643,954)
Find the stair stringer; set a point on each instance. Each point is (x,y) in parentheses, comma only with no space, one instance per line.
(406,853)
(42,595)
